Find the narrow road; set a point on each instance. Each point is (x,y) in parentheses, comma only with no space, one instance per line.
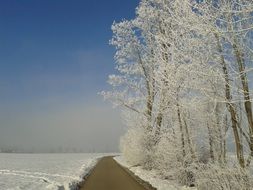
(108,175)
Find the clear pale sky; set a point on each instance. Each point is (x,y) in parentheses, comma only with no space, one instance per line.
(54,59)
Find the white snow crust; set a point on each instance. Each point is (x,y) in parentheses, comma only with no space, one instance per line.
(44,171)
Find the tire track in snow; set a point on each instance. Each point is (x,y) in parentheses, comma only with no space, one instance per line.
(36,174)
(43,179)
(39,176)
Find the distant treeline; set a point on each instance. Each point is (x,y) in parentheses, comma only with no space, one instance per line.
(44,150)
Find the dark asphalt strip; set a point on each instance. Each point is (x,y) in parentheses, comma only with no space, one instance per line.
(108,175)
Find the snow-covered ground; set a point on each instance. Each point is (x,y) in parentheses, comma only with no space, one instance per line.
(44,171)
(152,177)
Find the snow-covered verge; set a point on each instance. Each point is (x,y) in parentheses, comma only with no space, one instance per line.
(84,171)
(152,177)
(45,171)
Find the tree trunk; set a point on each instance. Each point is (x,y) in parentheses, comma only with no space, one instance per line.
(159,120)
(159,117)
(219,131)
(211,151)
(150,92)
(245,85)
(189,140)
(224,140)
(181,130)
(231,107)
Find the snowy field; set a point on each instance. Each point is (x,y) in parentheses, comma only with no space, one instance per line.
(44,171)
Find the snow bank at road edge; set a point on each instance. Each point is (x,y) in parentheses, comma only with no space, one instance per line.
(151,177)
(84,173)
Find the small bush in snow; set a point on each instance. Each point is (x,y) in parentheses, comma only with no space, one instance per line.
(185,175)
(204,156)
(134,146)
(167,156)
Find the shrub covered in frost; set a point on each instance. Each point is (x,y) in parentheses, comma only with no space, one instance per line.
(215,177)
(134,146)
(185,175)
(167,156)
(169,160)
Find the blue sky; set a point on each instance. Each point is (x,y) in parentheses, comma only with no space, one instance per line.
(54,59)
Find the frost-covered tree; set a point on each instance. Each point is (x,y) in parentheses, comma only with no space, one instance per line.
(183,81)
(230,21)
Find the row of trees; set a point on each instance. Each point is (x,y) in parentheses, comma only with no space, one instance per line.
(183,79)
